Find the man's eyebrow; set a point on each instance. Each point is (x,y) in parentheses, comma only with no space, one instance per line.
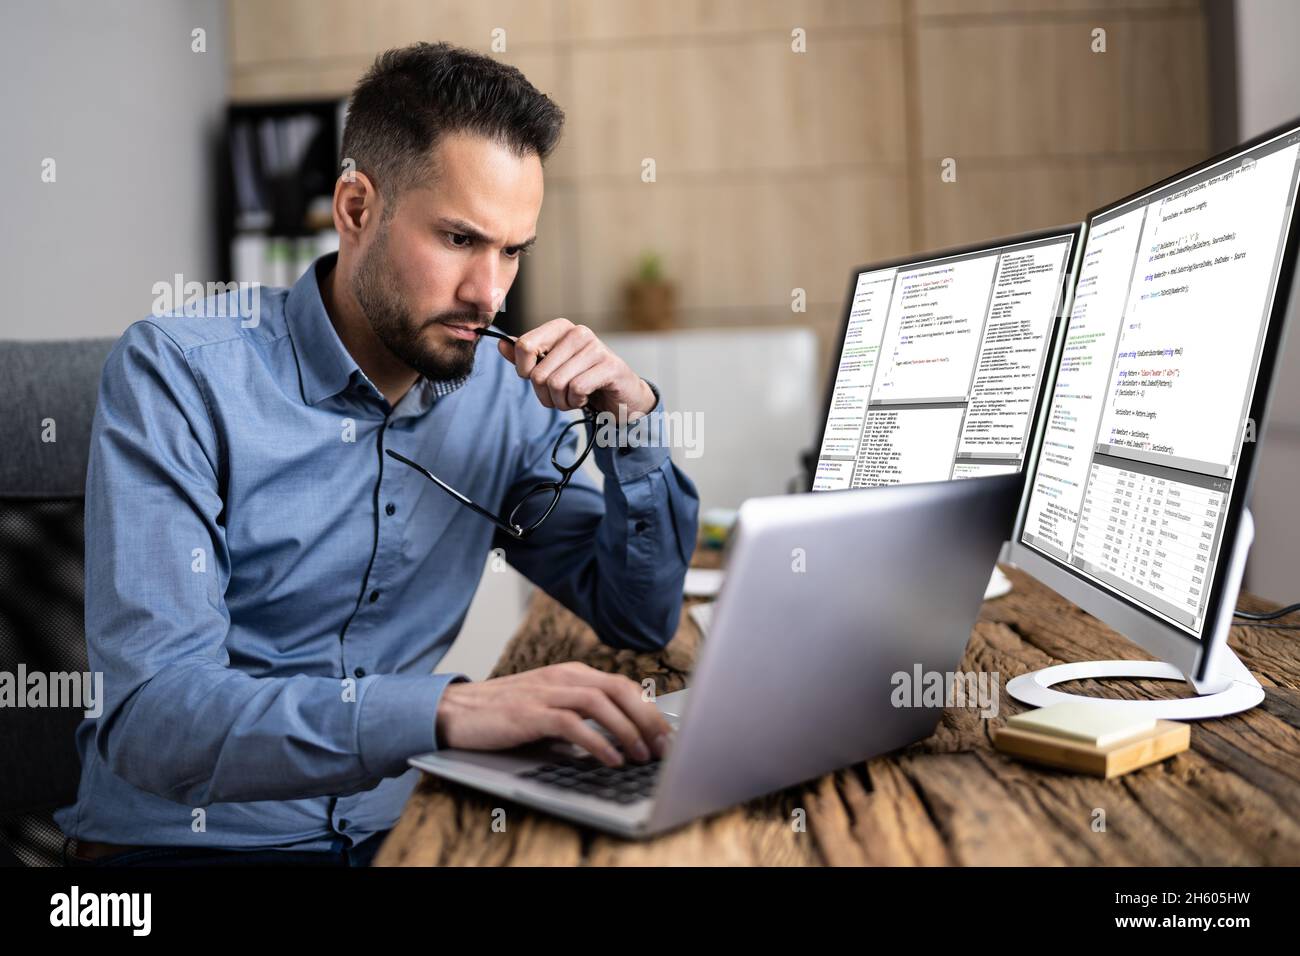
(466,229)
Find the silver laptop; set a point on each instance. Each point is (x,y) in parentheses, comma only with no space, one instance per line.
(826,597)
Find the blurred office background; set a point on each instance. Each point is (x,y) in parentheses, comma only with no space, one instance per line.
(776,171)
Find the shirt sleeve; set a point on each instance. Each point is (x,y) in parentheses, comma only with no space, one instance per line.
(178,720)
(617,556)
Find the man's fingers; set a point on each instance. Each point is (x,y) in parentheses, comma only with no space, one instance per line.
(554,371)
(561,351)
(585,384)
(649,720)
(626,693)
(543,394)
(596,704)
(568,725)
(553,702)
(570,672)
(589,359)
(536,343)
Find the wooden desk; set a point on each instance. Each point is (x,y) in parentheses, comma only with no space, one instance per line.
(1233,799)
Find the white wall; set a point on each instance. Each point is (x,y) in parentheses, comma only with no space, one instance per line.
(742,403)
(111,90)
(1268,94)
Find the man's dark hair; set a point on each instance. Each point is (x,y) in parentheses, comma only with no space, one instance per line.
(413,96)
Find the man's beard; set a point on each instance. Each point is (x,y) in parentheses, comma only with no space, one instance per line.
(394,325)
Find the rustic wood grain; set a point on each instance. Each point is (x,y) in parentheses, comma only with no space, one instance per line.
(1232,799)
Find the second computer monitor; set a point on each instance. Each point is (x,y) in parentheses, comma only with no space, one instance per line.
(941,362)
(1133,505)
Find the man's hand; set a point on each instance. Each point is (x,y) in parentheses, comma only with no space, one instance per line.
(553,702)
(571,368)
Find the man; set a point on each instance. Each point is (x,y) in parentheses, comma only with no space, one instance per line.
(268,592)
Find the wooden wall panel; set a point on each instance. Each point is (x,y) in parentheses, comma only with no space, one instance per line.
(612,20)
(1169,107)
(990,200)
(1043,129)
(777,169)
(282,48)
(982,8)
(751,104)
(1001,89)
(551,267)
(739,243)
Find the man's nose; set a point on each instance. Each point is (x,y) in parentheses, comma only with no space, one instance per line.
(482,285)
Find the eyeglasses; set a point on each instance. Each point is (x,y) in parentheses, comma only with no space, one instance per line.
(535,506)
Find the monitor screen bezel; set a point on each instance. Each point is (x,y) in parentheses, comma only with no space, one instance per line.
(1073,230)
(1118,609)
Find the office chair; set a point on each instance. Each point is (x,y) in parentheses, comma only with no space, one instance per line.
(49,391)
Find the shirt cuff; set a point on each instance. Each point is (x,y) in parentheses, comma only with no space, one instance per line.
(399,719)
(631,453)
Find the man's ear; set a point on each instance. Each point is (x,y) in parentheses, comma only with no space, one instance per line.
(356,202)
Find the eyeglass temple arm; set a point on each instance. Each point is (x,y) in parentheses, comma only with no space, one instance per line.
(503,336)
(496,334)
(511,530)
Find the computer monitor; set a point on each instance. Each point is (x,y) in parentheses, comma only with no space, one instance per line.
(1140,472)
(941,362)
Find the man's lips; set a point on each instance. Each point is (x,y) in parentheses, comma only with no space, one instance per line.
(463,330)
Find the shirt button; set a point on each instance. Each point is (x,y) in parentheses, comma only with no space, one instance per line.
(625,450)
(640,526)
(360,672)
(343,824)
(391,509)
(374,596)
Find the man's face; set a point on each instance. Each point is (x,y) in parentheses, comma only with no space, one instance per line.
(442,264)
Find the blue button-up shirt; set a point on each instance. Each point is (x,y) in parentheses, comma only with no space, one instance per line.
(268,594)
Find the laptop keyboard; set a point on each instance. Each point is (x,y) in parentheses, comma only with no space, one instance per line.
(626,784)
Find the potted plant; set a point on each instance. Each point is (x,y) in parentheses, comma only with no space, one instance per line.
(649,300)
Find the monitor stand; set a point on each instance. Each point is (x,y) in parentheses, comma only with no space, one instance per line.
(1230,689)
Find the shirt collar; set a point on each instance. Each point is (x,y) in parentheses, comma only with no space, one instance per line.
(325,367)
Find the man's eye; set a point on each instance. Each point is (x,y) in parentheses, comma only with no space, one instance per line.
(513,252)
(456,238)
